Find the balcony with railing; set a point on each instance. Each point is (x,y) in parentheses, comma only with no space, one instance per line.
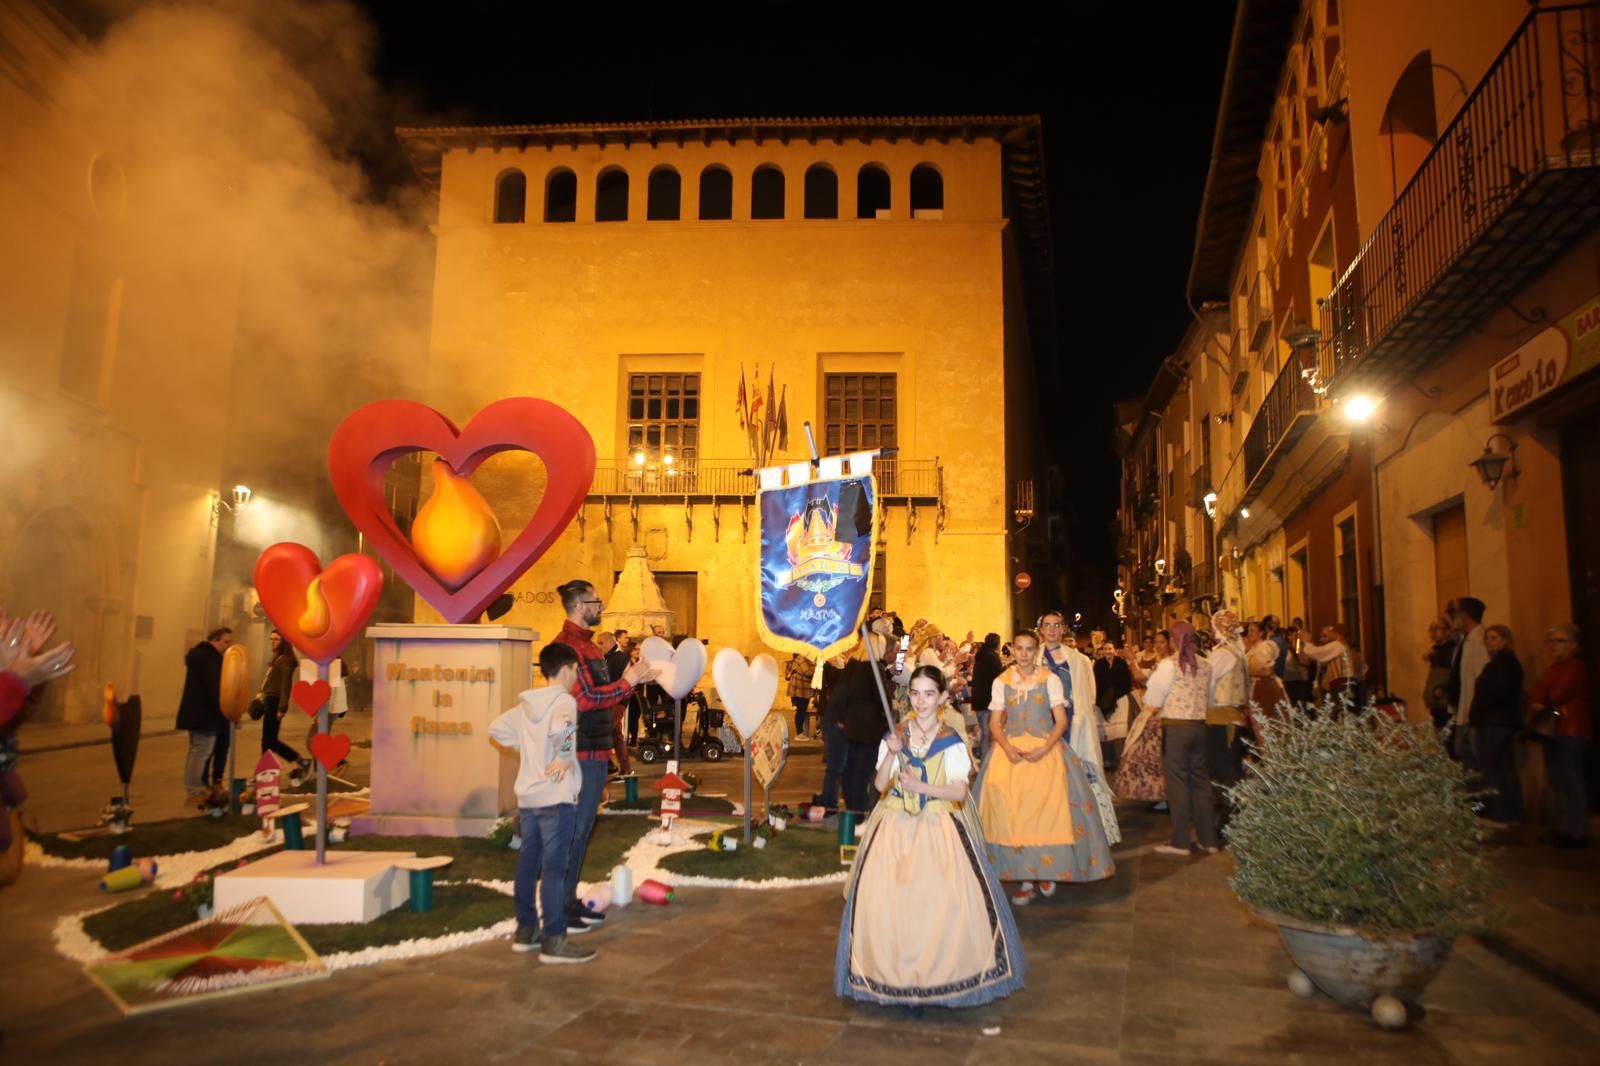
(1287,411)
(899,480)
(1200,486)
(1512,183)
(1260,315)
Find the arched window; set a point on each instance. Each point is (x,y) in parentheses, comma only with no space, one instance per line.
(510,197)
(611,195)
(716,193)
(927,189)
(1410,123)
(664,195)
(822,192)
(872,191)
(766,192)
(561,196)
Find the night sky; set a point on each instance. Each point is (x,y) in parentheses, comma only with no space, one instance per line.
(1128,97)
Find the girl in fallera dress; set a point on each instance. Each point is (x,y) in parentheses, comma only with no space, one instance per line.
(1141,776)
(924,917)
(1037,811)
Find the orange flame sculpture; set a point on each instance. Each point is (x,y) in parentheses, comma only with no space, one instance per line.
(456,533)
(315,619)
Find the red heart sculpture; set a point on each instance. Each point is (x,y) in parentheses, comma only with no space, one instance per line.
(330,749)
(311,695)
(348,587)
(367,443)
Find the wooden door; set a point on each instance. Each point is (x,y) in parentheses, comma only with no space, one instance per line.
(1450,555)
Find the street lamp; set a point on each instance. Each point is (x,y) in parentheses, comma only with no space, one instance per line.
(1210,500)
(1491,465)
(1359,408)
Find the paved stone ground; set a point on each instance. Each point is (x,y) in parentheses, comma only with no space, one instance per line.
(1159,965)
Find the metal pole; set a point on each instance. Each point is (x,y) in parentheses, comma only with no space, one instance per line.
(677,729)
(877,675)
(322,778)
(233,754)
(747,800)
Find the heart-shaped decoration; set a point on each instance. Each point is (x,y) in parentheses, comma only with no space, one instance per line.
(330,749)
(679,669)
(234,692)
(372,437)
(309,696)
(747,689)
(319,611)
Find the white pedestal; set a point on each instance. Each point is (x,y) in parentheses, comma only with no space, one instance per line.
(435,689)
(353,886)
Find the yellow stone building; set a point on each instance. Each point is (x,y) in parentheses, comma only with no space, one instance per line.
(888,276)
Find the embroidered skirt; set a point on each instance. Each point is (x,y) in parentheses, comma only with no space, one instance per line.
(1040,820)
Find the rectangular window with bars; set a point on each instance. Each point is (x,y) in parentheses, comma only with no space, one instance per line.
(664,415)
(860,413)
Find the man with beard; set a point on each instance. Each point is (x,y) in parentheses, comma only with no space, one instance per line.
(597,694)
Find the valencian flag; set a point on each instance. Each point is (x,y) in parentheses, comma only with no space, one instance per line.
(816,563)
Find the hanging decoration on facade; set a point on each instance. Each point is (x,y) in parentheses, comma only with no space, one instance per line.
(454,557)
(816,558)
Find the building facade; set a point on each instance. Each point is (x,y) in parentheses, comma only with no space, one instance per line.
(1402,220)
(878,279)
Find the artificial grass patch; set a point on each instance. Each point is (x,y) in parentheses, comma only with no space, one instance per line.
(197,832)
(611,840)
(692,807)
(475,858)
(456,908)
(793,853)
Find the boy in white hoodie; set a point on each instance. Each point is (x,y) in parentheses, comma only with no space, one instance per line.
(541,730)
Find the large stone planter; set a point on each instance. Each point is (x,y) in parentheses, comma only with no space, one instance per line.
(1355,971)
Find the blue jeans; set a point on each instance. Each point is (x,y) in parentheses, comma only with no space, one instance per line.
(835,746)
(594,784)
(546,840)
(985,741)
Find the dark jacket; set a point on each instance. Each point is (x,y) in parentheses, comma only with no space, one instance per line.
(278,688)
(986,667)
(200,709)
(1112,680)
(855,701)
(616,662)
(1497,701)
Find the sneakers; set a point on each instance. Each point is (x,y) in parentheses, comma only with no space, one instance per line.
(582,914)
(559,951)
(527,939)
(1168,849)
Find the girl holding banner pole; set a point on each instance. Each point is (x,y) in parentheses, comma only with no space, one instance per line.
(923,920)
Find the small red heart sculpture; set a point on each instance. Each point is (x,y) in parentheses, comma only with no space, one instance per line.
(330,749)
(367,443)
(347,591)
(311,695)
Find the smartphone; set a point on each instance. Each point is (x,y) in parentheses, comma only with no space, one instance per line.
(900,656)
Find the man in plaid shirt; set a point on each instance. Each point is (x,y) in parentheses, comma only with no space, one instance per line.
(597,694)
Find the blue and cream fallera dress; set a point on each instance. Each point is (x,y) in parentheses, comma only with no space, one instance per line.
(1040,819)
(925,920)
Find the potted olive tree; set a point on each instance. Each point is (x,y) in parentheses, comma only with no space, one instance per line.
(1354,834)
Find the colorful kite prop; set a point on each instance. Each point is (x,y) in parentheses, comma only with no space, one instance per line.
(244,948)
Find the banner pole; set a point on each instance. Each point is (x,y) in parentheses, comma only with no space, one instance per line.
(877,674)
(322,778)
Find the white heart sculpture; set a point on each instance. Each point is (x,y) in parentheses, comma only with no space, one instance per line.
(679,670)
(747,689)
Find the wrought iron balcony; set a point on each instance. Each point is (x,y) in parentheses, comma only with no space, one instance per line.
(1260,315)
(1288,411)
(1511,183)
(1200,486)
(899,480)
(1203,582)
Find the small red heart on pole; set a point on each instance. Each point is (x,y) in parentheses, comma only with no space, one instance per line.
(330,749)
(311,695)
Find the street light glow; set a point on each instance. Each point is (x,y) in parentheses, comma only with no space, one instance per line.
(1359,408)
(1244,512)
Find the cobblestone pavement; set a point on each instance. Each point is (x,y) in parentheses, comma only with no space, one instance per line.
(1158,965)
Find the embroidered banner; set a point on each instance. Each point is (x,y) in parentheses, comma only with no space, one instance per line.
(816,563)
